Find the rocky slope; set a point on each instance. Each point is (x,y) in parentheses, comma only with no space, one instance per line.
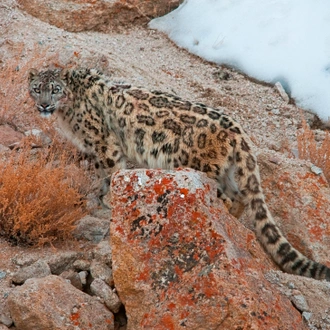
(251,293)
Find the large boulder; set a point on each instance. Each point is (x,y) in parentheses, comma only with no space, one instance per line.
(180,260)
(84,15)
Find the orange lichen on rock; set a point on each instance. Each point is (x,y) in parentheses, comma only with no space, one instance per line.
(176,266)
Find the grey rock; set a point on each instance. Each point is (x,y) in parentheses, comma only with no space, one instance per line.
(102,252)
(307,315)
(24,260)
(92,229)
(83,277)
(300,303)
(42,137)
(5,320)
(101,271)
(37,270)
(81,264)
(60,262)
(102,290)
(73,277)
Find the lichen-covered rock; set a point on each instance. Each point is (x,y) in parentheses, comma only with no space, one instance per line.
(299,201)
(52,303)
(87,15)
(180,260)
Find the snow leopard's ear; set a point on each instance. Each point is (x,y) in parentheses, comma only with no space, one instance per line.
(32,74)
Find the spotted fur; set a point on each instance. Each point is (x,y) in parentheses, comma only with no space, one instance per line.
(116,122)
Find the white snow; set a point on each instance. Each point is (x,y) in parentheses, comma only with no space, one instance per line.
(271,40)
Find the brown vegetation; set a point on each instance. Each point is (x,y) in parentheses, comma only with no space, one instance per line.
(41,196)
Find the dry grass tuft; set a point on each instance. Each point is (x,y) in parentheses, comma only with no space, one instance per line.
(42,195)
(309,149)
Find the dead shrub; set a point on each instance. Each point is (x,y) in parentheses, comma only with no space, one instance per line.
(309,149)
(42,195)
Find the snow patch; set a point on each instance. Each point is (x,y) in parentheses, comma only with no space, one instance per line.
(271,40)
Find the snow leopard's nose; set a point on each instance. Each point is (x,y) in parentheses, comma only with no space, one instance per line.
(44,106)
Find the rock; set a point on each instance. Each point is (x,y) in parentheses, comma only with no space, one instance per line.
(3,148)
(24,259)
(8,136)
(81,264)
(37,270)
(180,260)
(5,320)
(98,15)
(102,290)
(62,261)
(92,229)
(40,135)
(53,303)
(282,92)
(83,277)
(309,296)
(102,271)
(73,277)
(300,303)
(3,327)
(299,201)
(102,252)
(316,170)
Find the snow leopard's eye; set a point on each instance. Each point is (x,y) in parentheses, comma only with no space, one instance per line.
(56,89)
(36,90)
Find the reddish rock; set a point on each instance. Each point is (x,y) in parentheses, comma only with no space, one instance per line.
(181,261)
(84,15)
(299,201)
(52,303)
(8,136)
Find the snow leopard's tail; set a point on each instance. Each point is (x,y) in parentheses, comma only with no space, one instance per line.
(283,253)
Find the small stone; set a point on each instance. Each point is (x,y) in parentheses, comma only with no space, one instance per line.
(102,252)
(83,277)
(307,315)
(60,262)
(102,290)
(92,229)
(300,303)
(102,271)
(3,274)
(81,264)
(44,139)
(37,270)
(73,277)
(282,92)
(276,112)
(274,160)
(24,260)
(290,285)
(6,320)
(316,170)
